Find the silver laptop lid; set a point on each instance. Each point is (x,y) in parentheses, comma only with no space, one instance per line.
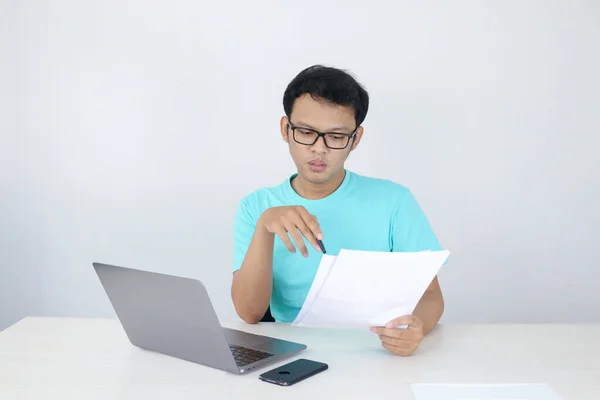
(167,314)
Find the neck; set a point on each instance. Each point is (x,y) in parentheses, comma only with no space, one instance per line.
(314,191)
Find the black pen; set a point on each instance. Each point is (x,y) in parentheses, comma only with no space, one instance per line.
(321,246)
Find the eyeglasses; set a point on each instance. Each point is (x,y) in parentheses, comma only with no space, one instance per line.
(308,137)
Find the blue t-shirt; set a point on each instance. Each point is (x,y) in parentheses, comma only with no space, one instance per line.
(364,213)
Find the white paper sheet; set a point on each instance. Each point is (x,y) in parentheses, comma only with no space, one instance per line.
(360,289)
(320,277)
(440,391)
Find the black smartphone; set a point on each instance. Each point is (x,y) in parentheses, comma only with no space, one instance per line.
(293,372)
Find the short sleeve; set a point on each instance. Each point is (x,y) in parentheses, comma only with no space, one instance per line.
(243,230)
(411,230)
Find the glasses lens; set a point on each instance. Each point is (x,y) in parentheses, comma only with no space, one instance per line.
(337,141)
(304,136)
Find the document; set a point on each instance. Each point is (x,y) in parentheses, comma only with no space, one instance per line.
(320,277)
(359,289)
(433,391)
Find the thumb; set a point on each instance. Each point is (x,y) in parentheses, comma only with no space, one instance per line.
(400,321)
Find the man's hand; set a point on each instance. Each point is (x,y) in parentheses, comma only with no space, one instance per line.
(401,341)
(293,220)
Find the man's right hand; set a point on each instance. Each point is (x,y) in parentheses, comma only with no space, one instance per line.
(293,220)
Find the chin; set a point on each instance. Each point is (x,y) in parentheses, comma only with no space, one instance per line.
(317,177)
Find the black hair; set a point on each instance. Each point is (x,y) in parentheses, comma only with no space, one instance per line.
(329,84)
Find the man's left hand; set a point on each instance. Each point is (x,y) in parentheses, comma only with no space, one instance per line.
(401,341)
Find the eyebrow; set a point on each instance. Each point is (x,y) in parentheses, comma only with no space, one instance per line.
(337,128)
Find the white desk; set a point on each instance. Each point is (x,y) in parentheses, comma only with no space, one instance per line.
(57,358)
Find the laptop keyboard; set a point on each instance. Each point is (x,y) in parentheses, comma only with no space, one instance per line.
(244,356)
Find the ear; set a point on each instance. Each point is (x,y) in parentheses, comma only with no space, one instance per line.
(357,138)
(284,129)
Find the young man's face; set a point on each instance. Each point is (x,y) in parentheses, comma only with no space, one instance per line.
(317,163)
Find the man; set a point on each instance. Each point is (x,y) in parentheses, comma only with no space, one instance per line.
(276,229)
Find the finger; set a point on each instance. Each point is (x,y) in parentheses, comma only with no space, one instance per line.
(397,350)
(282,233)
(404,320)
(297,219)
(409,320)
(293,231)
(312,223)
(308,234)
(393,332)
(403,334)
(401,343)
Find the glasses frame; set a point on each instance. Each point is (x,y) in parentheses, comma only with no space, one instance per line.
(350,136)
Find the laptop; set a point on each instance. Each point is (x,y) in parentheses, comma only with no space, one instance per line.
(174,316)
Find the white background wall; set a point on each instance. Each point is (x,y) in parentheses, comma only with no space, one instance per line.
(127,129)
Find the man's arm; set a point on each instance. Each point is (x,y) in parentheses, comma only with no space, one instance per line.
(431,306)
(253,283)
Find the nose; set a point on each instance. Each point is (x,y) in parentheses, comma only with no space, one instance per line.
(319,146)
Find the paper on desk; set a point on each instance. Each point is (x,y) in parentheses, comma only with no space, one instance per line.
(360,289)
(433,391)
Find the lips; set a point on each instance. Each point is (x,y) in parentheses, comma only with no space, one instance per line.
(317,163)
